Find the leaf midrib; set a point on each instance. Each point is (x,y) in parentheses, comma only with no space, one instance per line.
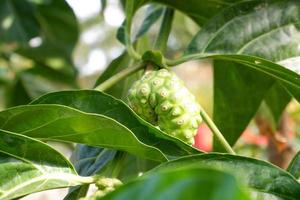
(263,35)
(24,160)
(66,177)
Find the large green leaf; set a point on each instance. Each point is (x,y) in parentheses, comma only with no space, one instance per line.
(236,99)
(268,29)
(28,165)
(257,174)
(91,101)
(44,21)
(183,184)
(240,29)
(61,123)
(294,166)
(289,79)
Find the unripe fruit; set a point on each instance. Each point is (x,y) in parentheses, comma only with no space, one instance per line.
(161,98)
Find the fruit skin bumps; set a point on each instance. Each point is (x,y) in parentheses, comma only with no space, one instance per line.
(162,99)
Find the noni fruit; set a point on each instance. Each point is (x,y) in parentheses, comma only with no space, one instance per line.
(162,99)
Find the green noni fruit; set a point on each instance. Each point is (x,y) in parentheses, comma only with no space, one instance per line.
(162,99)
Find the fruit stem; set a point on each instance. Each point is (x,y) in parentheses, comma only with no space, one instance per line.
(149,68)
(165,29)
(119,76)
(216,131)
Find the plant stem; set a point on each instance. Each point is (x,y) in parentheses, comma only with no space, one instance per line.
(216,131)
(185,58)
(165,29)
(119,161)
(129,10)
(119,76)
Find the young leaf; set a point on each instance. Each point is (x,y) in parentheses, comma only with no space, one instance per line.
(294,166)
(28,165)
(92,101)
(183,184)
(261,28)
(257,174)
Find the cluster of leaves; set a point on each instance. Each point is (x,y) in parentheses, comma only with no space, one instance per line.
(244,40)
(35,54)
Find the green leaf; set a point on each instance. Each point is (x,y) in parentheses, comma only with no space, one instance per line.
(153,13)
(259,175)
(240,29)
(235,98)
(121,34)
(98,158)
(133,167)
(88,161)
(294,166)
(77,192)
(277,99)
(183,184)
(286,77)
(61,123)
(91,101)
(34,82)
(42,21)
(124,32)
(16,94)
(199,10)
(18,22)
(28,165)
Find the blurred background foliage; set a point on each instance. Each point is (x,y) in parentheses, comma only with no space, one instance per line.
(51,45)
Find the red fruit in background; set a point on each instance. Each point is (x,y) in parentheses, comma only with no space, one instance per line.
(251,138)
(203,139)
